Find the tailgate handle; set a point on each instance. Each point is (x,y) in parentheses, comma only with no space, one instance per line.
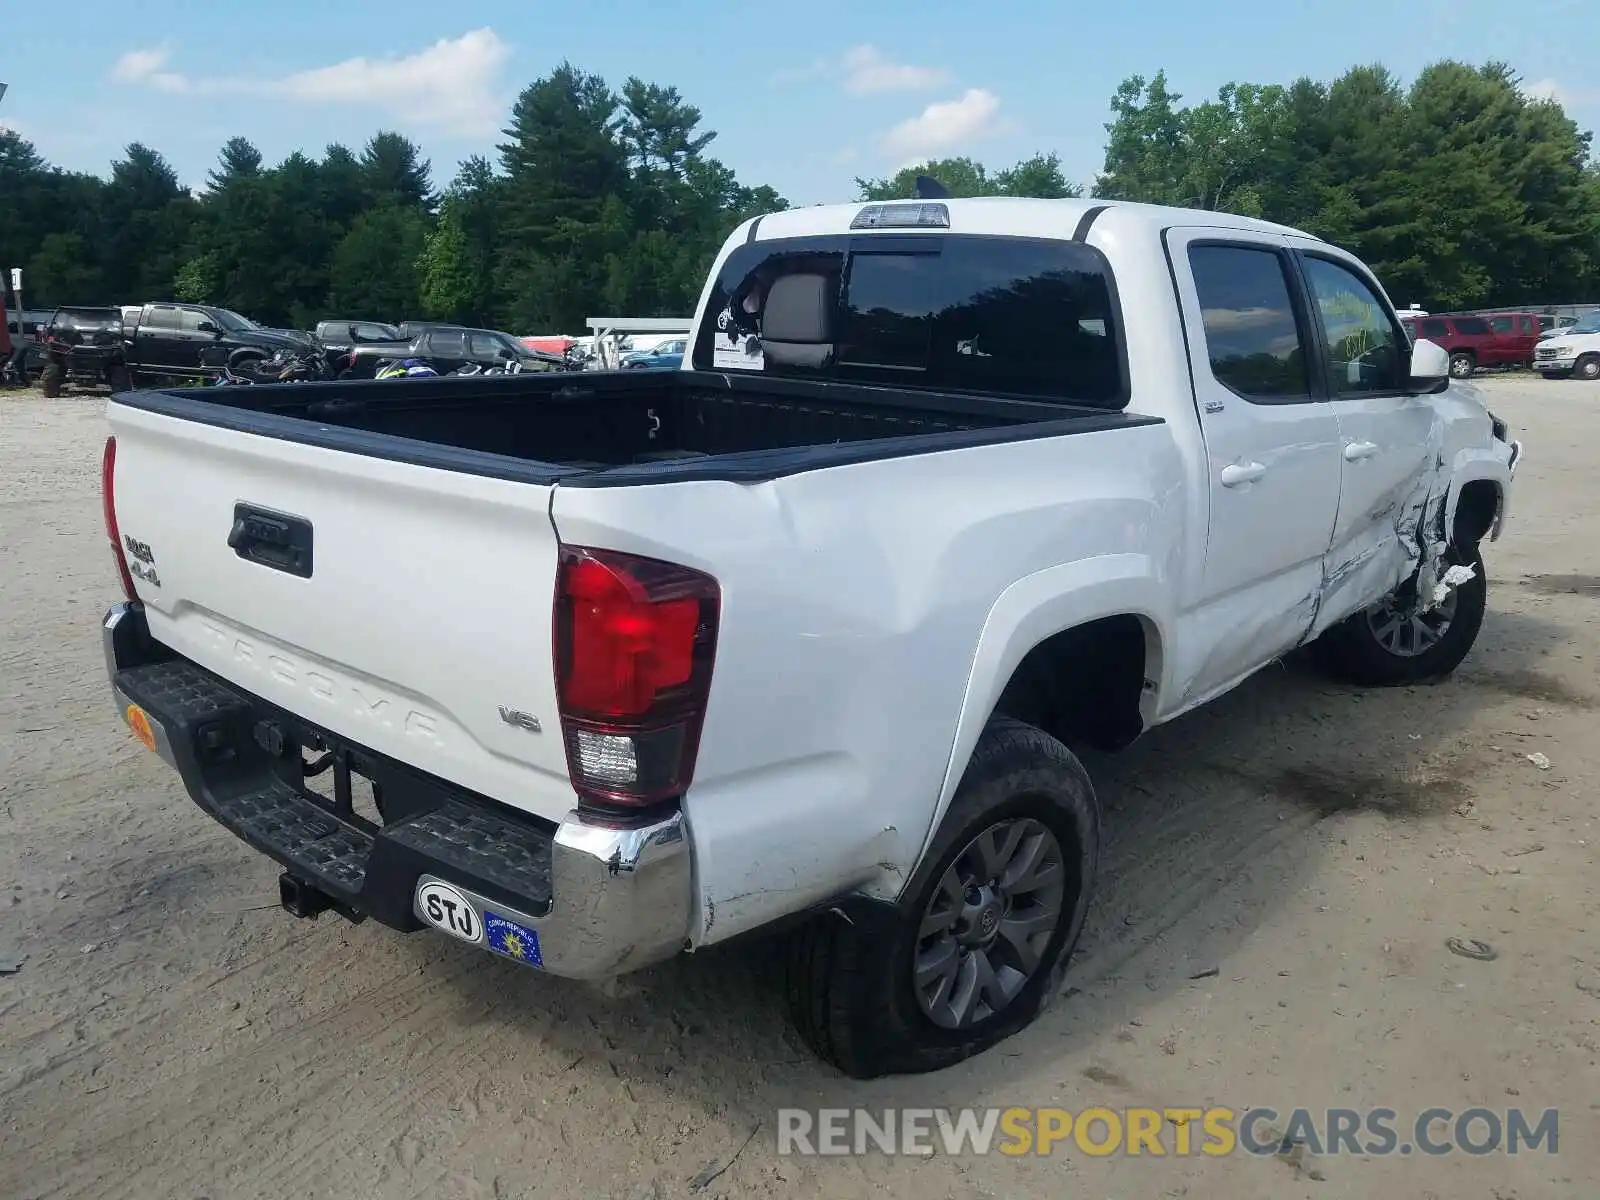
(272,539)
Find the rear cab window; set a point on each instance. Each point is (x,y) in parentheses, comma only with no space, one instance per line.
(1028,317)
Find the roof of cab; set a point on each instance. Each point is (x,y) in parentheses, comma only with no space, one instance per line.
(1020,217)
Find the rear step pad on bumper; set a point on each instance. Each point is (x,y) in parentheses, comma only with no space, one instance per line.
(209,726)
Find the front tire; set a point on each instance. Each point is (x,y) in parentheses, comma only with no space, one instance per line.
(1389,644)
(977,945)
(1462,365)
(1588,367)
(51,380)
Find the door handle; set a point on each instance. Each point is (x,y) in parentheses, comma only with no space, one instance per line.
(1356,451)
(1240,473)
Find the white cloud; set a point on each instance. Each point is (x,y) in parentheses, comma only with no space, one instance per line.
(1567,97)
(452,85)
(866,70)
(945,125)
(863,70)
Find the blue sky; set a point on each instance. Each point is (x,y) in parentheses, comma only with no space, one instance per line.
(803,96)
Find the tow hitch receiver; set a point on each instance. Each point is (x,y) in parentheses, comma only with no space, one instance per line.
(301,899)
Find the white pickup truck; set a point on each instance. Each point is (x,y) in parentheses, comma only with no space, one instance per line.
(636,662)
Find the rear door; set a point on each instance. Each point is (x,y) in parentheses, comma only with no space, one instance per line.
(425,609)
(1387,437)
(1271,447)
(159,339)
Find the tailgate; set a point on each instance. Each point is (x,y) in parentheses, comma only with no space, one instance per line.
(425,612)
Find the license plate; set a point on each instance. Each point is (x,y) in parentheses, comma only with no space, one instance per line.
(139,722)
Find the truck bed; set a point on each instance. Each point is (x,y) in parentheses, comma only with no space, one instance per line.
(630,427)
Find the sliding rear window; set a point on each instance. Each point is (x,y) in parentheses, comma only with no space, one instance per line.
(949,312)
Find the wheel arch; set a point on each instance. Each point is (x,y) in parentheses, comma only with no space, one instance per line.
(1105,616)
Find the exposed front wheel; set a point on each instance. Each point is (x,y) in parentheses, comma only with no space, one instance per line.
(1395,642)
(51,379)
(978,943)
(1462,365)
(1588,367)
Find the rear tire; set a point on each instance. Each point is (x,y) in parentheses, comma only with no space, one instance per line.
(51,380)
(1587,367)
(884,991)
(120,379)
(1462,365)
(1381,647)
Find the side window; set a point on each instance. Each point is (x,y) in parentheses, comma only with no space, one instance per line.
(162,316)
(1501,324)
(1527,324)
(1362,344)
(367,333)
(190,320)
(486,346)
(447,342)
(1253,339)
(1434,329)
(1472,326)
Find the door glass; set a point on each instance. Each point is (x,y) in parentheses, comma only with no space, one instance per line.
(1252,337)
(1473,326)
(1363,346)
(162,317)
(447,342)
(1500,324)
(486,345)
(1435,329)
(190,320)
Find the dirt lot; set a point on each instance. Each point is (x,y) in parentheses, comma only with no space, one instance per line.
(171,1033)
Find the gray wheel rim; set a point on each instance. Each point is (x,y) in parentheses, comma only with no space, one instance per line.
(1461,367)
(1589,369)
(985,930)
(1404,632)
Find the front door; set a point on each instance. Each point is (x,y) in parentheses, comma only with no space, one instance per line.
(1390,441)
(1272,450)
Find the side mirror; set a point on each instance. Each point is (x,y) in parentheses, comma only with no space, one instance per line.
(506,354)
(207,327)
(1430,367)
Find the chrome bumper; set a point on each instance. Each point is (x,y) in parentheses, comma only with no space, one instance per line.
(614,899)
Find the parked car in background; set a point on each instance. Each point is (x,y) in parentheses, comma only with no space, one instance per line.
(187,340)
(448,348)
(345,335)
(83,346)
(1472,342)
(1572,352)
(663,355)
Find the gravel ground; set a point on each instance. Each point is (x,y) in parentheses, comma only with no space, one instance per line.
(171,1033)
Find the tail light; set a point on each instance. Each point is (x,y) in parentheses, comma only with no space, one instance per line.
(634,642)
(108,501)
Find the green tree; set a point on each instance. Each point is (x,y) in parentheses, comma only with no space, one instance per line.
(1039,176)
(449,286)
(375,265)
(393,171)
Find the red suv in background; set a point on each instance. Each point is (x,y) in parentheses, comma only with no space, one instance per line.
(1496,340)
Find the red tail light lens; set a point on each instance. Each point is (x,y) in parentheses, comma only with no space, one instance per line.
(635,639)
(108,502)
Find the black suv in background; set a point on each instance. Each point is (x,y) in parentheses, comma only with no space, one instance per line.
(83,346)
(187,340)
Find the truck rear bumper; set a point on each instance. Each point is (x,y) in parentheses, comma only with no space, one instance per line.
(578,900)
